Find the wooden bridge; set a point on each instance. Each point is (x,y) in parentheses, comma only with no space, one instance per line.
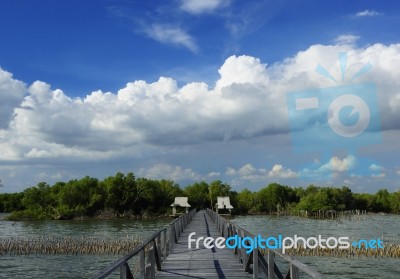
(166,255)
(202,262)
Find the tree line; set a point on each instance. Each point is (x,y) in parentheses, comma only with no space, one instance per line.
(125,193)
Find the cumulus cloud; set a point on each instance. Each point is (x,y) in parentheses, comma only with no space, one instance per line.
(166,171)
(368,13)
(346,39)
(12,92)
(349,166)
(204,6)
(336,164)
(278,171)
(242,70)
(145,118)
(249,172)
(170,34)
(246,170)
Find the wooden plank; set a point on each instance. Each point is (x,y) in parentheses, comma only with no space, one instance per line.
(201,263)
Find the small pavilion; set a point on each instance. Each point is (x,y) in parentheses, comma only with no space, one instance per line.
(223,203)
(181,202)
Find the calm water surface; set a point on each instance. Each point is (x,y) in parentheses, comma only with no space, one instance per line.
(386,227)
(59,266)
(68,266)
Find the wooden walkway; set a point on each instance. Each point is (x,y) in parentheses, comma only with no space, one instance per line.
(166,255)
(200,263)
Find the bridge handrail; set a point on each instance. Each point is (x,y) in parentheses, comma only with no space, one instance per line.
(156,248)
(255,259)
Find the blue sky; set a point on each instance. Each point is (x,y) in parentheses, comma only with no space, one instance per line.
(81,46)
(245,52)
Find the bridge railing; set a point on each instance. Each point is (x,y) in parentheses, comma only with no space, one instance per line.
(255,261)
(151,252)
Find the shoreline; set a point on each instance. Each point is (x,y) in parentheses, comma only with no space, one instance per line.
(108,215)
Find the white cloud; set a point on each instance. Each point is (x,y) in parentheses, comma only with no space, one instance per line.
(375,167)
(333,167)
(35,153)
(368,13)
(203,6)
(336,164)
(213,174)
(248,172)
(248,101)
(12,92)
(346,39)
(398,172)
(278,171)
(338,168)
(166,171)
(144,119)
(231,171)
(242,70)
(170,34)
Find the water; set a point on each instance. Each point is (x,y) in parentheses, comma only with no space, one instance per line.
(386,227)
(69,266)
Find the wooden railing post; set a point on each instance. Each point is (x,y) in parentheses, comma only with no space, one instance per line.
(271,264)
(164,247)
(243,252)
(156,256)
(171,238)
(125,272)
(182,225)
(294,272)
(151,262)
(142,264)
(176,231)
(158,250)
(259,262)
(263,263)
(158,247)
(255,264)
